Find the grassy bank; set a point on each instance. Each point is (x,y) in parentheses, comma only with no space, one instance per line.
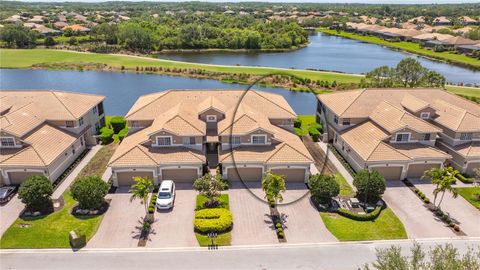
(410,47)
(16,58)
(470,194)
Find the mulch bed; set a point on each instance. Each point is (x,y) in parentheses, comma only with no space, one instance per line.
(55,206)
(103,208)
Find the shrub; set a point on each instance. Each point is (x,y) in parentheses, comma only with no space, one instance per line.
(314,133)
(122,133)
(297,123)
(209,186)
(35,192)
(366,217)
(316,126)
(213,220)
(117,123)
(464,179)
(49,41)
(370,185)
(456,228)
(278,225)
(89,192)
(426,200)
(106,135)
(323,187)
(281,235)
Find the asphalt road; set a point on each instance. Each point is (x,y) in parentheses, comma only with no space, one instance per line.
(305,256)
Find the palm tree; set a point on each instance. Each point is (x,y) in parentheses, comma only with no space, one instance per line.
(446,185)
(140,190)
(435,175)
(273,185)
(443,179)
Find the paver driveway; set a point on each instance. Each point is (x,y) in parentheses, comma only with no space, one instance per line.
(419,222)
(121,224)
(251,223)
(174,227)
(303,222)
(459,209)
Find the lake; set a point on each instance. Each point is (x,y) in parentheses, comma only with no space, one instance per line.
(123,89)
(328,53)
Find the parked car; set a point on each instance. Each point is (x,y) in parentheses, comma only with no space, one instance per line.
(166,195)
(7,193)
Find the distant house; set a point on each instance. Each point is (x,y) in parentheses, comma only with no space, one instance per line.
(62,18)
(45,31)
(442,20)
(465,20)
(468,49)
(455,41)
(30,25)
(80,18)
(77,28)
(422,38)
(13,19)
(60,25)
(417,20)
(36,19)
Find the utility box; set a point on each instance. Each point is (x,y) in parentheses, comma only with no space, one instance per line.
(77,241)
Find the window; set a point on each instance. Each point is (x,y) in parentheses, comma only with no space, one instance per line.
(80,122)
(211,118)
(69,124)
(425,115)
(100,108)
(7,142)
(235,140)
(189,140)
(95,110)
(465,136)
(335,119)
(346,121)
(97,127)
(73,151)
(403,137)
(335,138)
(164,140)
(81,141)
(426,137)
(258,139)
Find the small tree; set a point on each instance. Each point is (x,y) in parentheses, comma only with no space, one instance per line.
(370,185)
(209,185)
(323,187)
(443,179)
(49,41)
(140,190)
(35,192)
(273,185)
(89,191)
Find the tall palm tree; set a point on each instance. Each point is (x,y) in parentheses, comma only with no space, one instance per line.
(435,175)
(140,190)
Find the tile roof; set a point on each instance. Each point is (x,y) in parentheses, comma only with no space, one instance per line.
(469,150)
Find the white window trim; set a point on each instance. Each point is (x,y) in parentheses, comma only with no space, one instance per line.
(466,133)
(425,113)
(258,135)
(14,143)
(212,120)
(187,140)
(403,133)
(425,134)
(239,140)
(349,122)
(163,145)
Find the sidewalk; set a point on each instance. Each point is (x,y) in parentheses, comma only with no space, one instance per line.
(338,165)
(71,177)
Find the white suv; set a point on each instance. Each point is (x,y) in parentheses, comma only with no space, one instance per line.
(166,195)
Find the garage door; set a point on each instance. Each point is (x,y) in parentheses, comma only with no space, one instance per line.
(1,180)
(16,178)
(291,175)
(245,174)
(417,170)
(126,178)
(180,175)
(390,173)
(471,168)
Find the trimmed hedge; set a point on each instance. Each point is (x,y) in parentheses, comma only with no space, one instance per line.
(297,123)
(464,179)
(213,220)
(122,133)
(313,131)
(366,217)
(106,135)
(117,123)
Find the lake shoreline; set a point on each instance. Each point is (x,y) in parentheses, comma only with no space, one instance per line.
(172,51)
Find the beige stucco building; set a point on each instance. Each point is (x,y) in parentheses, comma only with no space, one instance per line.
(180,134)
(402,132)
(43,132)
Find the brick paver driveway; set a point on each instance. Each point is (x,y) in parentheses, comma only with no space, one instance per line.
(251,224)
(459,209)
(174,227)
(419,222)
(121,224)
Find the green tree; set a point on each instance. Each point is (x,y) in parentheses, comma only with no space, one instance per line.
(35,192)
(89,192)
(49,41)
(370,185)
(410,72)
(323,187)
(434,79)
(107,32)
(140,190)
(382,76)
(274,186)
(134,37)
(443,179)
(209,186)
(17,36)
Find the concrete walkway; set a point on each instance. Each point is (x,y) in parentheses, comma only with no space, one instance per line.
(338,164)
(9,213)
(71,177)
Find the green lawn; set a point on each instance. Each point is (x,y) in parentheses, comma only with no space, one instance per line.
(223,239)
(386,226)
(465,91)
(307,120)
(345,188)
(410,47)
(25,58)
(468,193)
(98,164)
(49,231)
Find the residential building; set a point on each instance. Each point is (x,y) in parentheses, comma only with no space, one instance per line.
(402,132)
(43,132)
(180,134)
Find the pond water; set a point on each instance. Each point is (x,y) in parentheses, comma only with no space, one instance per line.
(123,89)
(328,53)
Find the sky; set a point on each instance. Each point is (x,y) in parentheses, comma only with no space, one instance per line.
(295,1)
